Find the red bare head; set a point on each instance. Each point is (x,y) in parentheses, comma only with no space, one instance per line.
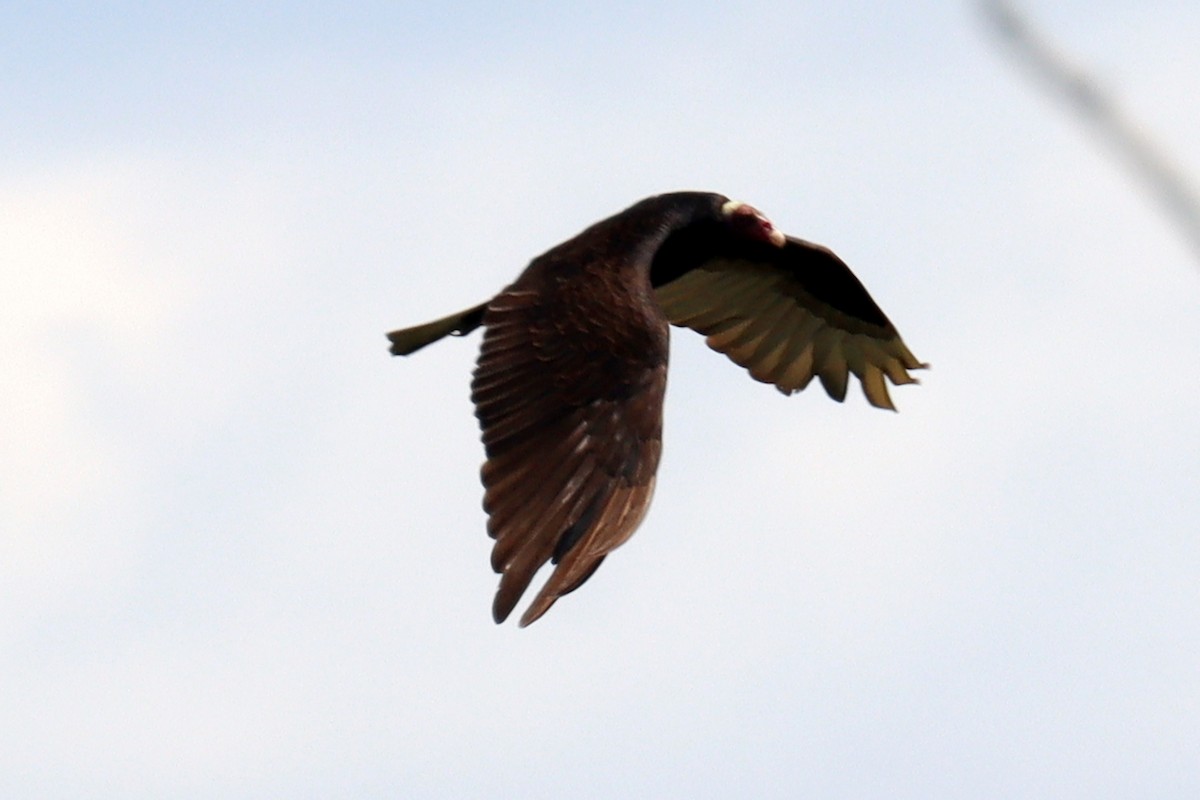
(748,220)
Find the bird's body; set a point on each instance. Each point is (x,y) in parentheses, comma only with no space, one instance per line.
(569,384)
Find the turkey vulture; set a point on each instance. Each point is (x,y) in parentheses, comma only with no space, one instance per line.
(569,384)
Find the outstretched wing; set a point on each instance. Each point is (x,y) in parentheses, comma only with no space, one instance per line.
(786,314)
(573,442)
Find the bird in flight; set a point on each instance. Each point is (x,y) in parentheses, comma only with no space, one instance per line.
(569,383)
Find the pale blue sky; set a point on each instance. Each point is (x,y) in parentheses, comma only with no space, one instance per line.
(241,548)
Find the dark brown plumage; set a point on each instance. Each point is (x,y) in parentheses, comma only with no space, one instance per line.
(570,379)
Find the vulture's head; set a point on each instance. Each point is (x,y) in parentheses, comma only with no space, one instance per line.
(750,222)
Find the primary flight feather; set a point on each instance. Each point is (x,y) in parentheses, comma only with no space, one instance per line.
(569,384)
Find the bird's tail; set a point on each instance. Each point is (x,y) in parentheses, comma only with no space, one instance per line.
(410,340)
